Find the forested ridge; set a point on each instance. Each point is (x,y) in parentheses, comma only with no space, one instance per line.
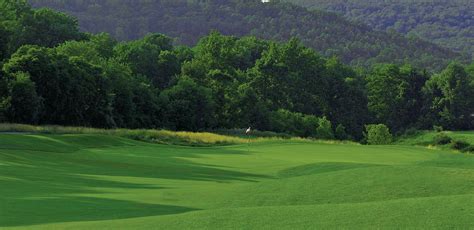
(447,23)
(187,21)
(51,73)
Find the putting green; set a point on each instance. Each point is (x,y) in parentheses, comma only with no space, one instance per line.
(105,182)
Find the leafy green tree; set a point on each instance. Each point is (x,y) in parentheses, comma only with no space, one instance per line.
(46,27)
(250,111)
(4,41)
(346,97)
(450,99)
(384,91)
(23,105)
(143,57)
(290,76)
(45,70)
(394,95)
(81,49)
(122,84)
(340,132)
(146,104)
(298,124)
(378,134)
(74,91)
(104,44)
(188,106)
(324,130)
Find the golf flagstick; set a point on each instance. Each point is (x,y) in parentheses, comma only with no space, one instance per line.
(247,132)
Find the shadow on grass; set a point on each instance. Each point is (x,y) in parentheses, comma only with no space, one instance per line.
(322,167)
(39,186)
(69,209)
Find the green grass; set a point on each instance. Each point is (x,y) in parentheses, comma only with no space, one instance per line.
(425,138)
(102,181)
(201,139)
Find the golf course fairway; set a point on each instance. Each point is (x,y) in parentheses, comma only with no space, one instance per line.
(86,181)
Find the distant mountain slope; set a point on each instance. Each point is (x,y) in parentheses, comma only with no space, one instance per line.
(447,23)
(187,20)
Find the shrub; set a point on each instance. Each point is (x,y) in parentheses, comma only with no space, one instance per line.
(284,121)
(411,132)
(378,134)
(469,149)
(324,130)
(459,145)
(437,128)
(442,139)
(341,132)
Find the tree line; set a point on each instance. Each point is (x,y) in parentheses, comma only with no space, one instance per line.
(189,20)
(62,76)
(447,23)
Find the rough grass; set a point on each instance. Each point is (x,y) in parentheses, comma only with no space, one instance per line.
(462,141)
(96,181)
(425,138)
(153,136)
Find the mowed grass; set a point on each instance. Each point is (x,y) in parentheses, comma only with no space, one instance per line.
(94,181)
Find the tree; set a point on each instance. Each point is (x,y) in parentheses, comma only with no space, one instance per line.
(4,42)
(450,99)
(46,27)
(346,96)
(394,95)
(378,134)
(340,132)
(74,91)
(385,86)
(122,85)
(250,111)
(188,106)
(324,130)
(23,105)
(143,58)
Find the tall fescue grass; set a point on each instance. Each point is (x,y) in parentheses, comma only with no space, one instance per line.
(150,135)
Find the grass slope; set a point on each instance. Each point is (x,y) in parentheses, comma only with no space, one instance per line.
(94,181)
(425,138)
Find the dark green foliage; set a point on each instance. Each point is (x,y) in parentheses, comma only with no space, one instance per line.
(324,130)
(469,149)
(23,105)
(224,82)
(188,21)
(447,23)
(394,95)
(340,132)
(284,121)
(460,145)
(45,27)
(188,106)
(150,57)
(442,139)
(449,99)
(378,134)
(74,91)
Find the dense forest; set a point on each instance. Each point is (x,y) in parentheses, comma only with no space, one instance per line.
(447,23)
(188,20)
(51,73)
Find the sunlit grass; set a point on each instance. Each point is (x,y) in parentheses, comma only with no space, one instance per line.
(150,135)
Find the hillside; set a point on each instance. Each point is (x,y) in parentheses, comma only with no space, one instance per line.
(447,23)
(86,181)
(187,21)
